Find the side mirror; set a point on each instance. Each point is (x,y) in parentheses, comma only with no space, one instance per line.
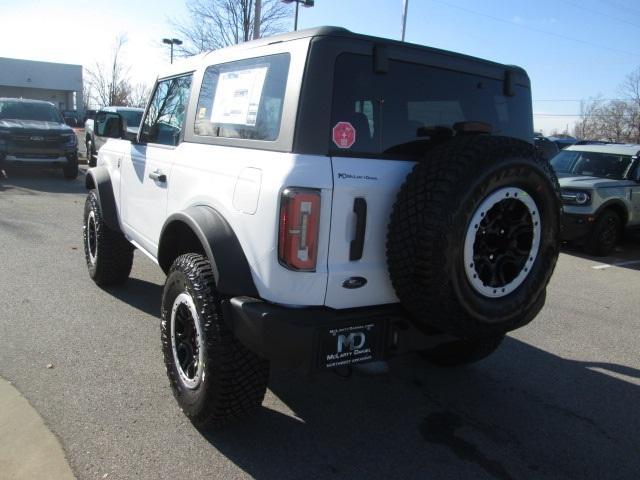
(111,125)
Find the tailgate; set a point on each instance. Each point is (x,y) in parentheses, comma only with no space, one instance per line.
(376,182)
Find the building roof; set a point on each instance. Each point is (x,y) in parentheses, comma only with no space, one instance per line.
(614,148)
(25,100)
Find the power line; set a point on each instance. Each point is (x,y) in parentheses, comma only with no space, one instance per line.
(618,5)
(586,9)
(534,29)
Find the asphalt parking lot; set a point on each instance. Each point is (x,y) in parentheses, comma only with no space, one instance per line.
(558,400)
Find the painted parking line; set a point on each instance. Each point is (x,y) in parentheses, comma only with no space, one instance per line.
(616,264)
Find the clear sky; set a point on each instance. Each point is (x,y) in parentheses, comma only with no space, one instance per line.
(572,49)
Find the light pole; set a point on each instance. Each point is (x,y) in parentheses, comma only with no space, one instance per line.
(404,17)
(172,42)
(305,3)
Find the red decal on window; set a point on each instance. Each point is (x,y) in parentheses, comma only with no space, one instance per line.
(344,135)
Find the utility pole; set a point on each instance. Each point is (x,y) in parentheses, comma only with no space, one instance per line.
(404,16)
(257,17)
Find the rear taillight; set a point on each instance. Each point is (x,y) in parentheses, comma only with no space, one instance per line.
(298,232)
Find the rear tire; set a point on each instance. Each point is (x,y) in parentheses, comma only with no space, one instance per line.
(605,235)
(214,378)
(108,254)
(474,236)
(462,352)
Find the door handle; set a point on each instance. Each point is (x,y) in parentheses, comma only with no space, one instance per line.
(158,176)
(357,244)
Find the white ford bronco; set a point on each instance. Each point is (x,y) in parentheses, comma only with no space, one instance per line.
(322,199)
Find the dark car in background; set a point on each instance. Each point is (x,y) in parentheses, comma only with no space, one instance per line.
(545,147)
(33,132)
(71,118)
(563,141)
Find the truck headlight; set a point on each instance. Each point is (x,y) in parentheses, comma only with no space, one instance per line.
(576,197)
(70,139)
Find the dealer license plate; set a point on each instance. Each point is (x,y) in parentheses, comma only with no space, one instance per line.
(343,346)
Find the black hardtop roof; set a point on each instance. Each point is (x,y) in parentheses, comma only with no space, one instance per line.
(26,100)
(329,31)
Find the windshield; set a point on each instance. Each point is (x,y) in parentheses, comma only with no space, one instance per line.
(29,111)
(133,118)
(593,164)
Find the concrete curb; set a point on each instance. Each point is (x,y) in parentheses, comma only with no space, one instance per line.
(28,450)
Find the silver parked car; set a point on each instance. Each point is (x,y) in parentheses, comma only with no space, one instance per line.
(600,193)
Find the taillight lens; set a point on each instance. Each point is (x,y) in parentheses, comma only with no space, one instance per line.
(298,232)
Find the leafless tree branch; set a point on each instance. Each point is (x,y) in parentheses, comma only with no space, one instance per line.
(214,24)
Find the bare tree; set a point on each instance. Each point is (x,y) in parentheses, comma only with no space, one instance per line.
(108,84)
(630,90)
(138,95)
(589,125)
(615,116)
(214,24)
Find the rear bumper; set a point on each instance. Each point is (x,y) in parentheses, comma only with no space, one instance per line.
(318,338)
(575,226)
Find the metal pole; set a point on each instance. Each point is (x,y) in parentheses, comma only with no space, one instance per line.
(404,17)
(295,26)
(257,19)
(171,53)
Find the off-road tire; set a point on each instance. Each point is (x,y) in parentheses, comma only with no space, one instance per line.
(431,219)
(462,352)
(70,169)
(234,379)
(605,235)
(110,257)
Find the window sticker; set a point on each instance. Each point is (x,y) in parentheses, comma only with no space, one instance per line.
(237,98)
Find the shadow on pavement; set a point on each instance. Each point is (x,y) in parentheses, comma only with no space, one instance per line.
(34,180)
(522,413)
(625,255)
(140,294)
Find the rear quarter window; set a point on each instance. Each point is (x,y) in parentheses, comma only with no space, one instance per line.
(243,99)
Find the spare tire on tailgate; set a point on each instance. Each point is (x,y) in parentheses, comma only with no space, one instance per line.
(474,236)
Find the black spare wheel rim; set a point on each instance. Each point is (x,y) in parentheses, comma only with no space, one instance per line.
(186,341)
(502,242)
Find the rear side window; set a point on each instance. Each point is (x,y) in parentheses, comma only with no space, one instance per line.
(243,99)
(412,105)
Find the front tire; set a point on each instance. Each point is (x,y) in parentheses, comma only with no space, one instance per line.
(605,235)
(108,254)
(214,378)
(70,170)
